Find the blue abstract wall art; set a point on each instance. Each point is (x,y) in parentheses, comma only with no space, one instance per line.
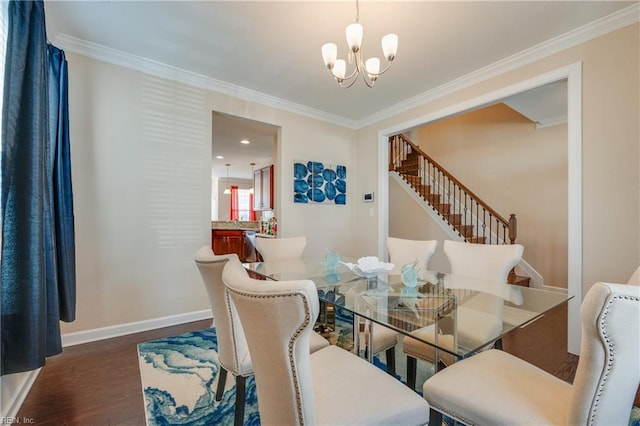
(313,182)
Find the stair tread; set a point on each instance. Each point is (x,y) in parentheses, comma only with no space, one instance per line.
(522,281)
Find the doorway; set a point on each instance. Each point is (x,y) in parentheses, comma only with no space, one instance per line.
(573,76)
(245,145)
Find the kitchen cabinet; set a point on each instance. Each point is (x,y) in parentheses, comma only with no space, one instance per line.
(263,189)
(227,241)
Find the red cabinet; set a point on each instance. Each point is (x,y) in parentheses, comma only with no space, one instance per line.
(227,241)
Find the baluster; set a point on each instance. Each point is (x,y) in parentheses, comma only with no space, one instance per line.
(396,153)
(423,175)
(492,233)
(484,225)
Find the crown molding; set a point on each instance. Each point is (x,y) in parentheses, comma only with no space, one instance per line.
(170,72)
(600,27)
(608,24)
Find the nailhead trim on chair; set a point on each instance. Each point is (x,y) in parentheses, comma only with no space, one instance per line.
(233,334)
(610,353)
(307,320)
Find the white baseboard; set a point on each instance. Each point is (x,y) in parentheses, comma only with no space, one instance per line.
(15,388)
(79,337)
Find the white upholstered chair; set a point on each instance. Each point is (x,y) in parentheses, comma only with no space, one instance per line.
(287,249)
(479,319)
(233,353)
(500,389)
(401,252)
(281,248)
(331,386)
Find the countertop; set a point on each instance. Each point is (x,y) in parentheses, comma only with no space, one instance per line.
(235,225)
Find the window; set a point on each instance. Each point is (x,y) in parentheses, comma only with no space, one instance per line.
(244,205)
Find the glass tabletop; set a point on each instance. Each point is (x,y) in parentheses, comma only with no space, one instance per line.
(473,313)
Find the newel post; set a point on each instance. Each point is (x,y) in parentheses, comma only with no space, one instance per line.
(513,228)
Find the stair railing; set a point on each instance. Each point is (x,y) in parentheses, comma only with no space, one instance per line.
(456,203)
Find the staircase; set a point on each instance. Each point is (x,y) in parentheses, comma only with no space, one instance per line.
(466,213)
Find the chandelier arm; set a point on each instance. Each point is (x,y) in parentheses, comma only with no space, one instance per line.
(381,72)
(353,74)
(368,81)
(346,86)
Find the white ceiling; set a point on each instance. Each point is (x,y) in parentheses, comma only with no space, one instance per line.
(273,48)
(545,105)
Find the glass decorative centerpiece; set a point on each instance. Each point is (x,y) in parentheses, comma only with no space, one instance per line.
(409,275)
(369,267)
(332,260)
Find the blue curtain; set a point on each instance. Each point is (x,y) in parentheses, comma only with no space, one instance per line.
(38,249)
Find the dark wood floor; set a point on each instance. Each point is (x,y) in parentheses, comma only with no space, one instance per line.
(99,383)
(95,383)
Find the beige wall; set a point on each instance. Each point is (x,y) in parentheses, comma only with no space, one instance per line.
(141,166)
(407,219)
(610,143)
(142,182)
(516,168)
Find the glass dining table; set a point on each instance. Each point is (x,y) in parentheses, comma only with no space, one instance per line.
(464,314)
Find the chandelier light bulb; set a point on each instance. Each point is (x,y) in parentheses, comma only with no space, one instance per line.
(354,36)
(339,69)
(372,66)
(390,46)
(329,54)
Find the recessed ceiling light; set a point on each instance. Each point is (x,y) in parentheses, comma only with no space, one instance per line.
(245,142)
(219,157)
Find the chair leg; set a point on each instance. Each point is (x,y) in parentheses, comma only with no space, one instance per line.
(435,417)
(391,361)
(412,365)
(222,378)
(498,344)
(238,420)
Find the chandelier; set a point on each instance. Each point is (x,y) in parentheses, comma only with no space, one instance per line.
(370,69)
(227,191)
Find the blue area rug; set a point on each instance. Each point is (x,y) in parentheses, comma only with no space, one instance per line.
(179,378)
(180,375)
